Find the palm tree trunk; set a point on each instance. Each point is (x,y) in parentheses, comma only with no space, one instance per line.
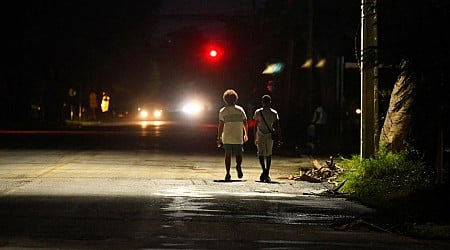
(398,118)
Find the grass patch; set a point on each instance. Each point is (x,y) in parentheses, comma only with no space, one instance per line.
(401,188)
(385,177)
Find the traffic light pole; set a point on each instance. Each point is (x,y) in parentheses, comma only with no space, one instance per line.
(369,79)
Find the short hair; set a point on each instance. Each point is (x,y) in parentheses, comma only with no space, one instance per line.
(230,97)
(266,99)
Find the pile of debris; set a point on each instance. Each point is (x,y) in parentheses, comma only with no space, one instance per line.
(327,171)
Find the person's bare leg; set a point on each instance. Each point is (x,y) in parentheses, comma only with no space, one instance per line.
(227,165)
(238,165)
(263,167)
(268,164)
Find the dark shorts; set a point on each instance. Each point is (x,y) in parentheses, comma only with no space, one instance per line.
(233,148)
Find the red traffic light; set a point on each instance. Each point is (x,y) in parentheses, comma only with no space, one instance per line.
(213,53)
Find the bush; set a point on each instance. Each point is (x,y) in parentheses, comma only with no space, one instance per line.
(384,178)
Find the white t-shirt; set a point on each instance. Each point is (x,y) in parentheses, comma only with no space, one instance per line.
(233,118)
(270,115)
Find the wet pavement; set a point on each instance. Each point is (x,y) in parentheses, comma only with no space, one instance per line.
(96,199)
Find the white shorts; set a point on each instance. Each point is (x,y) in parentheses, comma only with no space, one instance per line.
(265,144)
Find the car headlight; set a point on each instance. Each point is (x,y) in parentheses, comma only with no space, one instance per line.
(192,108)
(157,113)
(143,114)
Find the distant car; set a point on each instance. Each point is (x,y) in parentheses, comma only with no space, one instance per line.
(191,108)
(150,112)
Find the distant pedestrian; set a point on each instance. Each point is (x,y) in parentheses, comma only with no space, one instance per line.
(232,132)
(266,118)
(319,120)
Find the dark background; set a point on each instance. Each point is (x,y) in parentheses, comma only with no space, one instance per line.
(154,50)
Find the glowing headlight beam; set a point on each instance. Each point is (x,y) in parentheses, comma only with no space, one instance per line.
(143,114)
(157,113)
(192,108)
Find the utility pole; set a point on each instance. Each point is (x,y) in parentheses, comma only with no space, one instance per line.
(369,79)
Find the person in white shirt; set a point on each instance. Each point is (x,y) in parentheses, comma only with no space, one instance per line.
(232,131)
(266,119)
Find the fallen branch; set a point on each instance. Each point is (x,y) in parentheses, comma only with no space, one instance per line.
(336,189)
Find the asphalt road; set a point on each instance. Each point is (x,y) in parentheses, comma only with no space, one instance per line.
(97,198)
